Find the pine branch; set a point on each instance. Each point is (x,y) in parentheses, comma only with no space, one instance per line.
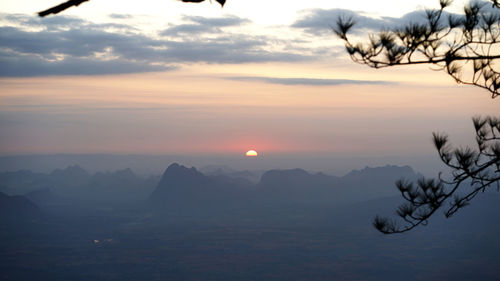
(63,6)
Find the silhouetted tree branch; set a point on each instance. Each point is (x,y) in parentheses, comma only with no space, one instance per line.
(451,43)
(63,6)
(473,171)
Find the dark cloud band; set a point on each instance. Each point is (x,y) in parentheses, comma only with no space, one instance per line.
(66,45)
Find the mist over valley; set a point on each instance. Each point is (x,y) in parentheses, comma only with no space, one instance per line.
(223,224)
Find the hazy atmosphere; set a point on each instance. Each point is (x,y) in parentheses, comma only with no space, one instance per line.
(200,141)
(201,80)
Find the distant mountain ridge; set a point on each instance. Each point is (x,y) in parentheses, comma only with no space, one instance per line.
(382,171)
(220,170)
(182,187)
(74,184)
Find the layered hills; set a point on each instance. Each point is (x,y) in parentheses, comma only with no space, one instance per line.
(183,189)
(187,188)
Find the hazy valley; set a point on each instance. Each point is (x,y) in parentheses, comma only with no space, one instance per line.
(225,225)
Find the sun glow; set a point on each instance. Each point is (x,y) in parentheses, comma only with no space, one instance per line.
(251,153)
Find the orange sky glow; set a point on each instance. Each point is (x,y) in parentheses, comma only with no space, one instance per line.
(171,112)
(202,80)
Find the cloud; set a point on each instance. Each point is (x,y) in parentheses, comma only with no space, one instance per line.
(15,65)
(309,81)
(200,25)
(120,16)
(320,21)
(48,22)
(65,45)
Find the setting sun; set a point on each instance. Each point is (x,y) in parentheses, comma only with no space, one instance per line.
(251,153)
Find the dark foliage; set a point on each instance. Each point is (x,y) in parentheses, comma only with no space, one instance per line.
(464,46)
(473,171)
(63,6)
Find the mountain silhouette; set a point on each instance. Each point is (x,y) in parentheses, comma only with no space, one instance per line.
(297,187)
(17,208)
(380,173)
(292,179)
(121,180)
(74,185)
(378,181)
(183,189)
(71,176)
(220,170)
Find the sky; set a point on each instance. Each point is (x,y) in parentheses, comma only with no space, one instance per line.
(166,77)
